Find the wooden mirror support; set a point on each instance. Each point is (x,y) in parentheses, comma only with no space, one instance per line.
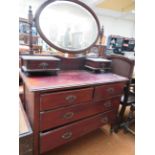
(30,21)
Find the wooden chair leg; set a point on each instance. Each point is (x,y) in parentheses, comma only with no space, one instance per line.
(130,120)
(121,114)
(114,128)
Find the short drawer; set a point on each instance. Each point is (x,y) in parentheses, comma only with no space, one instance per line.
(57,137)
(58,99)
(52,63)
(107,91)
(61,116)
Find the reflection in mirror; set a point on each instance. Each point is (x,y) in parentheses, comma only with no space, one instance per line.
(68,26)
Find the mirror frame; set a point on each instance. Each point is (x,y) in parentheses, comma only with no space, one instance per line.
(46,3)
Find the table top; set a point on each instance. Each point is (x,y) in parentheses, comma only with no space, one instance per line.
(69,79)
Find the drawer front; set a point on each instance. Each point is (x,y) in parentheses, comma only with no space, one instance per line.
(61,116)
(59,99)
(57,137)
(106,91)
(42,64)
(98,64)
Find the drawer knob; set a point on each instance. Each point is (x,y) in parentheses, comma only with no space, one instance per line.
(71,98)
(67,135)
(104,119)
(68,115)
(43,65)
(110,90)
(108,104)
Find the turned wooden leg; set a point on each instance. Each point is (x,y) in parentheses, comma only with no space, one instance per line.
(121,114)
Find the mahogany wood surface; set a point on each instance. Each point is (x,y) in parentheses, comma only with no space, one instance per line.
(98,63)
(64,98)
(52,139)
(89,94)
(61,116)
(29,106)
(36,124)
(37,64)
(106,91)
(32,109)
(76,63)
(70,79)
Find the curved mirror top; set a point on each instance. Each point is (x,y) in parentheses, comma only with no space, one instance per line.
(67,26)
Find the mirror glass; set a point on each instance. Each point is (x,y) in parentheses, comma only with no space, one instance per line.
(68,26)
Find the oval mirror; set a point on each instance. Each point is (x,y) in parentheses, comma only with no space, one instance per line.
(67,25)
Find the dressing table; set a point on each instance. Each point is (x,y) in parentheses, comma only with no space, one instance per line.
(76,101)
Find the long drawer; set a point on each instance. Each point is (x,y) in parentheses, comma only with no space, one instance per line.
(61,116)
(58,99)
(107,91)
(57,137)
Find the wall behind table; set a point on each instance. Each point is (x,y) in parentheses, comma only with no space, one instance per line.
(117,26)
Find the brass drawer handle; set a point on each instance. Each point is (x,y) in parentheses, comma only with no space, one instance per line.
(110,90)
(43,65)
(104,119)
(68,115)
(108,104)
(71,98)
(66,135)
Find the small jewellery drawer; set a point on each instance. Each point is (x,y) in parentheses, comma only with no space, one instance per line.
(106,91)
(43,65)
(57,137)
(61,116)
(39,63)
(58,99)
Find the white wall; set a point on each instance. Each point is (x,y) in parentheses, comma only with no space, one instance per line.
(24,7)
(117,26)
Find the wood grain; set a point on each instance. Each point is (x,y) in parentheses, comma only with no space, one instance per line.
(66,83)
(70,79)
(55,138)
(64,98)
(106,91)
(61,116)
